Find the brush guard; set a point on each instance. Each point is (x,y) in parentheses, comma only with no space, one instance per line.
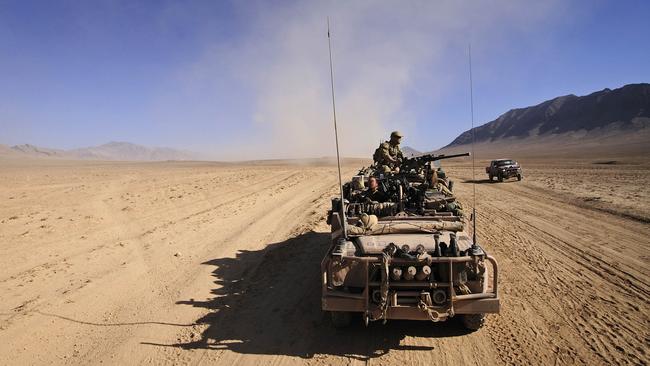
(389,307)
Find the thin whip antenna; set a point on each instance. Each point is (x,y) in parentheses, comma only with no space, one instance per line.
(471,102)
(336,133)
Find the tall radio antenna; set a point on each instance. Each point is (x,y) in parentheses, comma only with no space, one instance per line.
(336,133)
(471,102)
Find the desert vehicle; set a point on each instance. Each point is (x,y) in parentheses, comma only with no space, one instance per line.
(408,257)
(504,169)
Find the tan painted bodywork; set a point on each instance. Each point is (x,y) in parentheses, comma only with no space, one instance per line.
(361,252)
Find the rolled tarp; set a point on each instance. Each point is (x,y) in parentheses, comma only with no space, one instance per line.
(371,226)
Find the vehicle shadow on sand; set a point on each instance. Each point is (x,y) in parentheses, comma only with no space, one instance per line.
(274,308)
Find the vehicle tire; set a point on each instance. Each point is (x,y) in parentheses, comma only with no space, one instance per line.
(340,319)
(491,177)
(500,178)
(473,322)
(519,177)
(451,185)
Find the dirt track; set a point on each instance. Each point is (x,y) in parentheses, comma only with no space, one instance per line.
(197,264)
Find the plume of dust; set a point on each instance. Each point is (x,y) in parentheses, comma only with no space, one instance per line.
(381,51)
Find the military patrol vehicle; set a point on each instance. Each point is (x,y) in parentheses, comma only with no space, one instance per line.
(407,255)
(400,248)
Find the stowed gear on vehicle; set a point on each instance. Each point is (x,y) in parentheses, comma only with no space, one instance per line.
(400,250)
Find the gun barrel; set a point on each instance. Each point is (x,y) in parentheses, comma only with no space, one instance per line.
(443,156)
(432,157)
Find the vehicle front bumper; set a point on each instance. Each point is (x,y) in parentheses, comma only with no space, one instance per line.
(475,303)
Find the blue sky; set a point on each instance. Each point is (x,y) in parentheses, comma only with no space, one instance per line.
(250,79)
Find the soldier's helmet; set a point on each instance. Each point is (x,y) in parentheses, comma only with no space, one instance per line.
(396,134)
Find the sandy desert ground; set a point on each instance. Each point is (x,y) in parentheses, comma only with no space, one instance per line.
(201,263)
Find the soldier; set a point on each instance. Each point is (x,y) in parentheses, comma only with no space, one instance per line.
(440,184)
(388,155)
(373,194)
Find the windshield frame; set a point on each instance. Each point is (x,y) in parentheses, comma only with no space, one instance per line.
(505,162)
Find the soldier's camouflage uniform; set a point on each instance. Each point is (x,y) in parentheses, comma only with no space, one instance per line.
(375,195)
(383,154)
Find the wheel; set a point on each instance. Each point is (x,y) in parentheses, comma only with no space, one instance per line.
(491,177)
(519,177)
(340,319)
(451,185)
(473,322)
(500,177)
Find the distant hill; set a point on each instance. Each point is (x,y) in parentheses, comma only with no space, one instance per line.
(32,150)
(409,151)
(124,151)
(131,152)
(597,116)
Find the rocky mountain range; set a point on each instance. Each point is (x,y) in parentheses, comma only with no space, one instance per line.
(613,119)
(124,151)
(603,113)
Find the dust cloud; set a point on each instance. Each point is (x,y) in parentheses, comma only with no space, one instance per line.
(283,63)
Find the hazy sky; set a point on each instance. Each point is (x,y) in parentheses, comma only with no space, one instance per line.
(249,79)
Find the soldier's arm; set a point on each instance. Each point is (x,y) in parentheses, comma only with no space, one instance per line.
(385,153)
